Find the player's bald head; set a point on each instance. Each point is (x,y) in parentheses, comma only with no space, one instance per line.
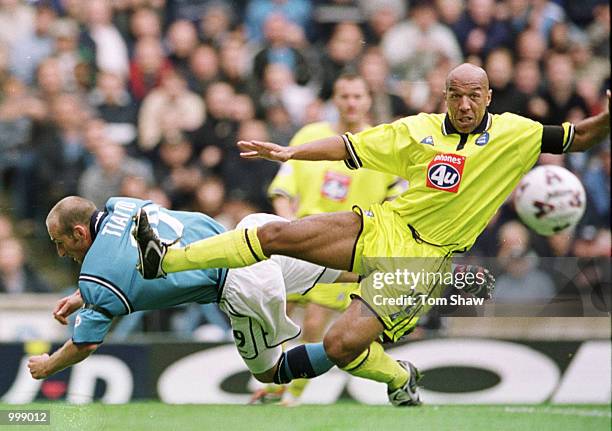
(69,212)
(468,74)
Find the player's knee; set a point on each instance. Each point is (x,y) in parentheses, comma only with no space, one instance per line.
(341,347)
(269,235)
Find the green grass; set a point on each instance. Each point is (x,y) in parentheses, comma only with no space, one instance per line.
(151,416)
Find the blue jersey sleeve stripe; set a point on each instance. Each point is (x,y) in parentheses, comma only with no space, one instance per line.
(110,286)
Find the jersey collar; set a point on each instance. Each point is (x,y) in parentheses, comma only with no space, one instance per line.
(95,222)
(448,128)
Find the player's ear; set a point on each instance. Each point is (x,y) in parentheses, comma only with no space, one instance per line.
(489,96)
(80,232)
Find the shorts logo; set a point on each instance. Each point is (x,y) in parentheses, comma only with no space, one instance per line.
(335,186)
(444,172)
(77,321)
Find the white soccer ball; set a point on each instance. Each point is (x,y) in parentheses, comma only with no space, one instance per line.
(550,199)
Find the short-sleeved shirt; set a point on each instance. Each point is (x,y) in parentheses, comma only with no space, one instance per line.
(457,181)
(109,283)
(329,186)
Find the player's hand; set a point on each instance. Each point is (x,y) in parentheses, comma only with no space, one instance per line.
(66,306)
(264,150)
(38,366)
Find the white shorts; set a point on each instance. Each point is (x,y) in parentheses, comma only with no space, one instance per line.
(254,298)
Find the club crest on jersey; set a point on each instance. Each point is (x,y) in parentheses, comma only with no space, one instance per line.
(483,139)
(427,140)
(335,186)
(444,172)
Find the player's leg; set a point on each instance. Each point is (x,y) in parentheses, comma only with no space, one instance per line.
(314,322)
(328,240)
(351,343)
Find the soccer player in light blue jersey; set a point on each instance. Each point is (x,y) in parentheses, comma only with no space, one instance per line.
(110,286)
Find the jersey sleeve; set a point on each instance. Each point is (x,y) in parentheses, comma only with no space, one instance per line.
(90,326)
(284,183)
(377,148)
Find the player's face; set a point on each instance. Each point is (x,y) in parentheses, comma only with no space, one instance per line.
(467,102)
(352,99)
(74,245)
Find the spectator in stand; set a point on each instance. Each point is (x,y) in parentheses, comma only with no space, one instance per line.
(147,67)
(182,40)
(500,68)
(381,16)
(280,127)
(253,187)
(216,138)
(450,11)
(216,23)
(564,104)
(599,30)
(596,181)
(544,15)
(430,43)
(243,108)
(69,54)
(341,55)
(16,275)
(478,31)
(115,106)
(203,68)
(111,165)
(234,61)
(386,106)
(257,11)
(50,82)
(111,49)
(522,282)
(209,197)
(278,50)
(434,102)
(588,67)
(144,23)
(171,98)
(16,21)
(61,156)
(279,86)
(39,45)
(176,172)
(528,82)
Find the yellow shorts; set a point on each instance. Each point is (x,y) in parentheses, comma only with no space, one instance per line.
(336,296)
(401,273)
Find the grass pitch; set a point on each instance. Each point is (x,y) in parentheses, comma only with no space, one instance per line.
(152,416)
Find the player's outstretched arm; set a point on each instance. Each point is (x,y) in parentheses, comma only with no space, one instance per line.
(43,366)
(331,148)
(592,130)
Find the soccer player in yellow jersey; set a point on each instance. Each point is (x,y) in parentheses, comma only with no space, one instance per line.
(461,166)
(301,189)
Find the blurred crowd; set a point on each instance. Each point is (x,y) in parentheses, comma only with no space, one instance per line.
(147,98)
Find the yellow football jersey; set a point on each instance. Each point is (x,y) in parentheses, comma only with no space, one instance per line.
(457,181)
(329,186)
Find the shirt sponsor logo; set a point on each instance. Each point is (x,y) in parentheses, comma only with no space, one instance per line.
(444,172)
(483,139)
(335,186)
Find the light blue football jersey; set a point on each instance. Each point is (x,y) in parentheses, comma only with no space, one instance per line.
(109,282)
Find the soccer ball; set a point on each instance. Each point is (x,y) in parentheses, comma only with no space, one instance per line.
(550,199)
